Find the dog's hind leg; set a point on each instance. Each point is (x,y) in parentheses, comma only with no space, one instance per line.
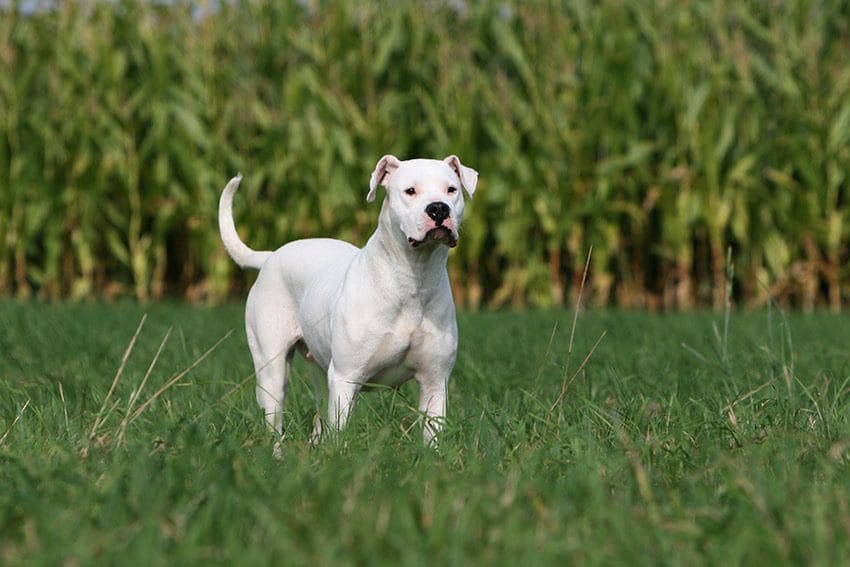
(272,371)
(319,384)
(272,338)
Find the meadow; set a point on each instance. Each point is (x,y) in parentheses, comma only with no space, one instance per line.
(677,439)
(700,149)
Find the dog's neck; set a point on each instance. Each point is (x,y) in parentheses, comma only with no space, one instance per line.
(416,270)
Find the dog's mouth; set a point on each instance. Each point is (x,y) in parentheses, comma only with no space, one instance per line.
(439,234)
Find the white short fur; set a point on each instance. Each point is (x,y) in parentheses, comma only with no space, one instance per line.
(380,314)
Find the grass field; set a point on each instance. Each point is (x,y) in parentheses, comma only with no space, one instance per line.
(682,440)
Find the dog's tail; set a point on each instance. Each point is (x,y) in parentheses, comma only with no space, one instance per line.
(238,250)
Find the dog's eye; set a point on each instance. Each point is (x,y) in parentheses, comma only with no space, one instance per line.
(410,191)
(452,189)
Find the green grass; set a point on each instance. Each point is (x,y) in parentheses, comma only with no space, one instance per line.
(731,449)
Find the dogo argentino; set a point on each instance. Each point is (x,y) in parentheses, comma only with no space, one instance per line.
(381,314)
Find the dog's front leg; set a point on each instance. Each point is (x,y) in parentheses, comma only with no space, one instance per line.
(342,387)
(432,406)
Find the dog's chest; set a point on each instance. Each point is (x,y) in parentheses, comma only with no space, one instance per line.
(400,351)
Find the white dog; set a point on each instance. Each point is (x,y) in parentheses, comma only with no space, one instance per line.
(381,314)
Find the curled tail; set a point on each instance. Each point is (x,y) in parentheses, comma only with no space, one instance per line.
(238,250)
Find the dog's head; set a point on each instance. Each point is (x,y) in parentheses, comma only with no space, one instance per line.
(424,196)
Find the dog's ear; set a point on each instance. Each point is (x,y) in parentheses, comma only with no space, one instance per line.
(381,176)
(468,176)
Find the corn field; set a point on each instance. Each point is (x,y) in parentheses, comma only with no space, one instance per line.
(700,148)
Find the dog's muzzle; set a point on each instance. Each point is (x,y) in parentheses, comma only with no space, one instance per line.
(438,212)
(439,234)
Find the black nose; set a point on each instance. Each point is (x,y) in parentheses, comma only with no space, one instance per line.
(438,211)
